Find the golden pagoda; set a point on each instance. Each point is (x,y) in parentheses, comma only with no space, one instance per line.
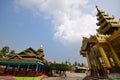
(103,49)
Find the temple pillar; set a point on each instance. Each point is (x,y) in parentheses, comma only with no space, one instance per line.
(114,54)
(97,62)
(88,60)
(7,66)
(18,68)
(106,61)
(28,67)
(36,67)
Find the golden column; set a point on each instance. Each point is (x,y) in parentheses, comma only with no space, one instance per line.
(106,61)
(114,54)
(88,60)
(97,61)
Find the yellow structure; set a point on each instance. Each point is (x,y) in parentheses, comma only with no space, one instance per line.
(103,49)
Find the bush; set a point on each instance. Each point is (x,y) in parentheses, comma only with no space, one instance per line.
(61,67)
(80,70)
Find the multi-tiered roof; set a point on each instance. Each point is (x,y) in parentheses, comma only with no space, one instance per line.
(29,54)
(107,23)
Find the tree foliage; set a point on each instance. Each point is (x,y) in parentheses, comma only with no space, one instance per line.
(61,67)
(12,52)
(4,51)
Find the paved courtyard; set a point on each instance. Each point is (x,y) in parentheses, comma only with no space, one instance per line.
(70,76)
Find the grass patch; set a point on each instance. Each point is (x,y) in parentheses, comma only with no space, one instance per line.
(26,78)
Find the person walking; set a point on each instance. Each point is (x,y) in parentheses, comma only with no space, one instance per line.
(65,73)
(88,72)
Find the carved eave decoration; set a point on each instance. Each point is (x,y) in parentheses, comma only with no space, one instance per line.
(87,42)
(15,55)
(115,35)
(102,38)
(83,53)
(99,12)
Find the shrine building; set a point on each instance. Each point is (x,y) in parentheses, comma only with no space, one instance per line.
(29,62)
(103,49)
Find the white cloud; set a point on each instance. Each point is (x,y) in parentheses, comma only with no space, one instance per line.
(70,22)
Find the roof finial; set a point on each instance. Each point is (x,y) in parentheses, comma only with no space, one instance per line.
(41,46)
(97,8)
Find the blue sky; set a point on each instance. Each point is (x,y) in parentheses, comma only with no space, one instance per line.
(58,24)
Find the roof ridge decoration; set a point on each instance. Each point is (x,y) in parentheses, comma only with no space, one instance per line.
(97,8)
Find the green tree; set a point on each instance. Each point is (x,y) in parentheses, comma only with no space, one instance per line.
(4,51)
(64,67)
(61,67)
(69,63)
(1,55)
(66,62)
(75,63)
(53,66)
(12,52)
(82,65)
(79,64)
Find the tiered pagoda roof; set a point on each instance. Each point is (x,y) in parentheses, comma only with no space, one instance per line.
(29,54)
(107,23)
(107,27)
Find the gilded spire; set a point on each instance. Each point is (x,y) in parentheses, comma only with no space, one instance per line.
(40,49)
(97,8)
(107,23)
(41,46)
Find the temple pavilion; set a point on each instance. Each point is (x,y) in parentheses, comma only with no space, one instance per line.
(29,54)
(29,62)
(103,49)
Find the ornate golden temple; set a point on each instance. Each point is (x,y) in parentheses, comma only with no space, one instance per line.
(103,49)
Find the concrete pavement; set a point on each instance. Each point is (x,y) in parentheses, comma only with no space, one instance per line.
(68,75)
